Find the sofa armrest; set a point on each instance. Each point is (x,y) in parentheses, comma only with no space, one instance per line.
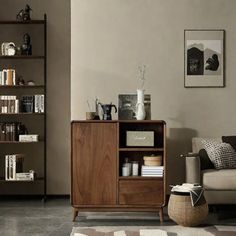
(193,169)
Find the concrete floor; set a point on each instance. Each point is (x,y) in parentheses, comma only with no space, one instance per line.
(54,218)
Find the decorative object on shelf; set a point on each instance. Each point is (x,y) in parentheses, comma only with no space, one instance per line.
(24,14)
(30,83)
(26,47)
(140,113)
(20,80)
(140,138)
(135,167)
(152,160)
(8,49)
(106,108)
(90,115)
(204,58)
(127,106)
(140,109)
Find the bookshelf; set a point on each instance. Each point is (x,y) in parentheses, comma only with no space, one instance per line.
(35,122)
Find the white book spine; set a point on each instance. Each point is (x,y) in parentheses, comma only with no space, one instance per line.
(6,168)
(14,166)
(17,106)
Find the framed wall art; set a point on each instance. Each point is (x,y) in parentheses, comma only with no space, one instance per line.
(204,58)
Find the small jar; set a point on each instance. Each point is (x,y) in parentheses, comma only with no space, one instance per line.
(125,170)
(135,166)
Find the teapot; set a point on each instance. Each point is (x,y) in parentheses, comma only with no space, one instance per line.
(106,108)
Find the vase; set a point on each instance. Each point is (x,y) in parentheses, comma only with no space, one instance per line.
(140,109)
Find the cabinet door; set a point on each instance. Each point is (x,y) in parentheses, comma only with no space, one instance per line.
(94,156)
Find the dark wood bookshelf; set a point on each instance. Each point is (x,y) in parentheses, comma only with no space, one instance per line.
(22,57)
(14,22)
(21,116)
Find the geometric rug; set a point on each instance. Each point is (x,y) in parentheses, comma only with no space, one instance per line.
(176,230)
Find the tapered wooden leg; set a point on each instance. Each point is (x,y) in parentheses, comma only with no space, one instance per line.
(75,213)
(161,215)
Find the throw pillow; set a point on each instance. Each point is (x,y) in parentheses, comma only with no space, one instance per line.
(205,160)
(231,140)
(222,155)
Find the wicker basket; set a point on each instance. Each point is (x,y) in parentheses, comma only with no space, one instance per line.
(181,211)
(152,160)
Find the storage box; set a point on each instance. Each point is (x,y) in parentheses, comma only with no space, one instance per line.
(140,138)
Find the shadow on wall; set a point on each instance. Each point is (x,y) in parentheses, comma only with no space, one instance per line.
(179,141)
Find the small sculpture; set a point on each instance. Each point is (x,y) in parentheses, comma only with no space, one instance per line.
(26,47)
(24,14)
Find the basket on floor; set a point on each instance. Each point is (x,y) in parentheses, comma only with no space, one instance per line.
(181,211)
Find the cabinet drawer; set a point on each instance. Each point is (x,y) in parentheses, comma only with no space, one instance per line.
(141,192)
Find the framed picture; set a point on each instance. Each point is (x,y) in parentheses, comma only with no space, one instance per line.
(127,106)
(204,58)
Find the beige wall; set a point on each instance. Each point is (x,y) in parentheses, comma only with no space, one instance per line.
(110,38)
(58,145)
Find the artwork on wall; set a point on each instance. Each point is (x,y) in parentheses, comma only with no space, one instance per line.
(127,106)
(204,58)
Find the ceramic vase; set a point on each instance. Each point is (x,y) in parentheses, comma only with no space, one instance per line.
(140,109)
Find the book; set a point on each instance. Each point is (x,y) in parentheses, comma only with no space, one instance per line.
(13,165)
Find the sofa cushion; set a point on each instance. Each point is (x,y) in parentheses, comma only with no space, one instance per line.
(197,143)
(222,155)
(205,160)
(231,140)
(219,179)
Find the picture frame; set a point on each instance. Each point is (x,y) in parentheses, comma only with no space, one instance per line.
(204,58)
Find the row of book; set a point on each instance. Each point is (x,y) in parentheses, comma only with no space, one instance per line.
(152,171)
(11,131)
(9,104)
(8,77)
(28,104)
(14,169)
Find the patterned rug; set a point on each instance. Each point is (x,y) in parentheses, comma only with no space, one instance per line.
(217,230)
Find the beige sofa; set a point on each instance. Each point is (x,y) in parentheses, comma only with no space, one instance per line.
(219,185)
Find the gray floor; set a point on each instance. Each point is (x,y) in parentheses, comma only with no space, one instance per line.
(32,217)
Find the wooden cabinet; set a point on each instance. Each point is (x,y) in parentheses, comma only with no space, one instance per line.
(98,152)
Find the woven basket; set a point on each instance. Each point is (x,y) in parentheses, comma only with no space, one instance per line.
(181,211)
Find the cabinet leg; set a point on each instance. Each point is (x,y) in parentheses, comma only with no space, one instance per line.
(161,215)
(75,213)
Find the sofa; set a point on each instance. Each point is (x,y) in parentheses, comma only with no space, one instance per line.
(219,185)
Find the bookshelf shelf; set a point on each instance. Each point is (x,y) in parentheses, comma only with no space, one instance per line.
(22,57)
(139,178)
(2,180)
(141,149)
(17,142)
(21,86)
(21,122)
(14,22)
(21,113)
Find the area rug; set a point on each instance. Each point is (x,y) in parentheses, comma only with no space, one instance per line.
(217,230)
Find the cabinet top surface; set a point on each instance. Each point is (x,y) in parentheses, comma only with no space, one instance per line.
(118,121)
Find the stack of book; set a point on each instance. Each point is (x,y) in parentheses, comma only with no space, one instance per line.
(13,165)
(9,104)
(14,169)
(152,171)
(8,77)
